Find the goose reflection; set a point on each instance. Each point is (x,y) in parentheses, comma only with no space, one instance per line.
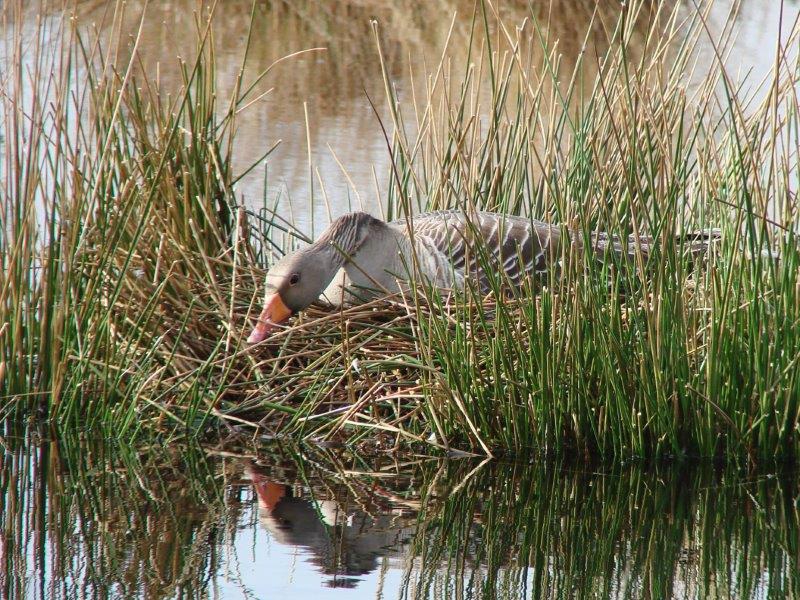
(344,537)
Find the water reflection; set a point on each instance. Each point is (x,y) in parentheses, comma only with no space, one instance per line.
(341,539)
(89,519)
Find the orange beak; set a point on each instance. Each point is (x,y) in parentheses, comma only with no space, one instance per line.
(275,311)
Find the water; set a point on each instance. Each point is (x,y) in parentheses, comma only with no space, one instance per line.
(87,519)
(332,155)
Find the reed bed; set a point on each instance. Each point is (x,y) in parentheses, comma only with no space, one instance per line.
(131,273)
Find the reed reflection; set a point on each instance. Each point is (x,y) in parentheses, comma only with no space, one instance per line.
(93,519)
(468,530)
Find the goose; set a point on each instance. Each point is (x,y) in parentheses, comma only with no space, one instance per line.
(359,256)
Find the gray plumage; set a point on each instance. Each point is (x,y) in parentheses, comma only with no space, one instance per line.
(359,257)
(461,246)
(449,249)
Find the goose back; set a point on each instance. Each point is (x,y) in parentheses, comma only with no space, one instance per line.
(452,248)
(461,246)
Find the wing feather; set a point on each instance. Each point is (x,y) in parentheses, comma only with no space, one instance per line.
(518,246)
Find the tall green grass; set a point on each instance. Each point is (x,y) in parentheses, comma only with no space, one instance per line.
(667,356)
(130,272)
(120,232)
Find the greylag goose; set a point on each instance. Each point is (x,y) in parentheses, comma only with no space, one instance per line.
(359,256)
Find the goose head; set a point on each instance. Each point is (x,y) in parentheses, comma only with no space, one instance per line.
(292,284)
(297,280)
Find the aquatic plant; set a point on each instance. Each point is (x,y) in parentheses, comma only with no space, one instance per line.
(131,274)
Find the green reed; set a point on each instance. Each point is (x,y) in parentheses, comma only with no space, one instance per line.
(649,356)
(119,231)
(130,274)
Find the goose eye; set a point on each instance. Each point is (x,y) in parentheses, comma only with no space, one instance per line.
(294,279)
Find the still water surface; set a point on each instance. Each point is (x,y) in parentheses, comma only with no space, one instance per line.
(87,520)
(332,156)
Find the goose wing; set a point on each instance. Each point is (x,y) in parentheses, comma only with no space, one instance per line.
(467,244)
